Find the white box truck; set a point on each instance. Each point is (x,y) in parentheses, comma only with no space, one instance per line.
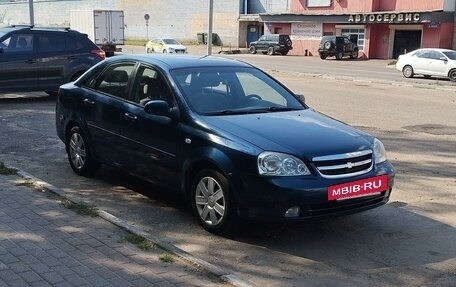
(104,27)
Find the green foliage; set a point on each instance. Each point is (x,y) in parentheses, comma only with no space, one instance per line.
(4,170)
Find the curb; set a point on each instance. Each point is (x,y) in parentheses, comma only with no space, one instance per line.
(223,275)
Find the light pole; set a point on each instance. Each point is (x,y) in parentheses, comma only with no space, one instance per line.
(209,29)
(32,20)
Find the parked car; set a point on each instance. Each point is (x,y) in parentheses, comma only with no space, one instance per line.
(226,135)
(338,46)
(165,45)
(428,62)
(272,44)
(42,59)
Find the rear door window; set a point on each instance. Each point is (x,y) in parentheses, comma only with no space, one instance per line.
(51,42)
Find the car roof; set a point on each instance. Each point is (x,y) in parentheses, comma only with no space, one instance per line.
(435,49)
(180,61)
(8,29)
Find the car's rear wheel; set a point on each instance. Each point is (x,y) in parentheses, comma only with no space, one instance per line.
(284,53)
(407,71)
(339,55)
(79,153)
(149,50)
(354,54)
(164,51)
(252,50)
(213,203)
(271,51)
(323,56)
(452,75)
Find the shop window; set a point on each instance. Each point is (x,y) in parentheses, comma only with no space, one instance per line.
(358,32)
(318,3)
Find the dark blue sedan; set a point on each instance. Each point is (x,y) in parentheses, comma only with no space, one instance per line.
(232,139)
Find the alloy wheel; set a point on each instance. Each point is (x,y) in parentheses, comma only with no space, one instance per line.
(210,201)
(77,150)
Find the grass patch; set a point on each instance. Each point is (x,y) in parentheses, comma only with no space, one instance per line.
(140,242)
(81,208)
(392,63)
(135,42)
(4,170)
(167,258)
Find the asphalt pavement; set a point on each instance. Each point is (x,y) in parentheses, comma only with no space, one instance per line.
(49,239)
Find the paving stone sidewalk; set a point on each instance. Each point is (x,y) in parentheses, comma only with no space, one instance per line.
(44,243)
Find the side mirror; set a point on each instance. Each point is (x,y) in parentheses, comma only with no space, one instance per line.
(443,59)
(160,108)
(301,98)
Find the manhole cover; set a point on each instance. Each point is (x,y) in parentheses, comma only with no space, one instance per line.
(433,129)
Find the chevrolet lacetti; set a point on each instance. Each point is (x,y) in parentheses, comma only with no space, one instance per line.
(232,139)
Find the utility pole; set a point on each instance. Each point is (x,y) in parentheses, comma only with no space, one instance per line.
(32,19)
(209,30)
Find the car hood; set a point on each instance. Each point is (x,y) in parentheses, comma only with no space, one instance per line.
(304,133)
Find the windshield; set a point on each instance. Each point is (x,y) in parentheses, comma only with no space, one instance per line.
(170,42)
(451,54)
(228,90)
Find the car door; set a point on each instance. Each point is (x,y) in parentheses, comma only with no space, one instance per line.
(105,105)
(437,66)
(420,61)
(18,63)
(153,142)
(52,58)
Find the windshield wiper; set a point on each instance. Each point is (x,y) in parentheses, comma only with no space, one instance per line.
(275,109)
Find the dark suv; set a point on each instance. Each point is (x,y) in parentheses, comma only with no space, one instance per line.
(272,44)
(42,59)
(338,46)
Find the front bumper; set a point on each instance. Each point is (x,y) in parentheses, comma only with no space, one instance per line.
(268,199)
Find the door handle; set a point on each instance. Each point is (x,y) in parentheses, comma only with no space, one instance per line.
(30,61)
(130,117)
(89,102)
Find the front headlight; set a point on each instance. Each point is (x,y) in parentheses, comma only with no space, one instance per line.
(171,49)
(379,151)
(280,164)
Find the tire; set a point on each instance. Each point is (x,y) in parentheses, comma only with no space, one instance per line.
(217,214)
(407,71)
(339,55)
(79,153)
(452,75)
(252,50)
(327,45)
(148,51)
(323,56)
(271,51)
(289,43)
(164,51)
(354,54)
(284,53)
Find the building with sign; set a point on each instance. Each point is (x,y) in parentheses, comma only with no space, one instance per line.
(384,28)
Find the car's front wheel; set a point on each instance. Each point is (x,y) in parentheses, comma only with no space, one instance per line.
(452,75)
(213,203)
(252,50)
(149,50)
(271,51)
(407,71)
(79,153)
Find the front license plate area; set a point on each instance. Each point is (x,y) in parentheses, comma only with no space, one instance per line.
(358,188)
